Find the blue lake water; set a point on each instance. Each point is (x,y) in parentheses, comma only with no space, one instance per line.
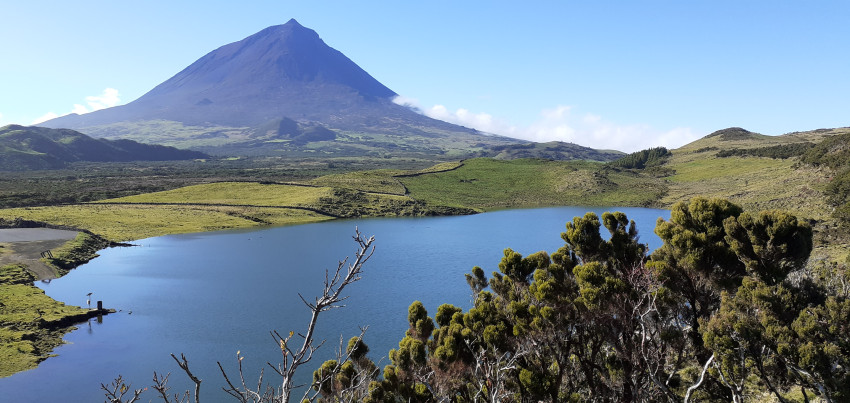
(208,295)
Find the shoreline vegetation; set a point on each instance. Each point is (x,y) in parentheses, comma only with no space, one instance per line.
(761,175)
(33,324)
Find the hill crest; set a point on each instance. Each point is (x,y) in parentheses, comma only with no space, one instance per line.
(25,148)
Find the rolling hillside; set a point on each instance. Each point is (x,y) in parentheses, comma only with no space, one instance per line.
(29,148)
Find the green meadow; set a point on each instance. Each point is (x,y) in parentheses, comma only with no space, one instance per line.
(31,321)
(233,193)
(487,184)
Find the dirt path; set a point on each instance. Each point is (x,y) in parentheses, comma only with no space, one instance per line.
(24,245)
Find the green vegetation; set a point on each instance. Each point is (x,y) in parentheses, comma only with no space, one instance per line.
(642,159)
(759,183)
(442,167)
(346,203)
(486,184)
(447,188)
(239,193)
(833,154)
(86,182)
(31,323)
(378,181)
(715,314)
(15,274)
(131,222)
(76,252)
(553,150)
(756,183)
(735,134)
(781,151)
(224,205)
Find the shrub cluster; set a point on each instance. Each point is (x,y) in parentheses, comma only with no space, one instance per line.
(834,153)
(781,151)
(712,315)
(642,159)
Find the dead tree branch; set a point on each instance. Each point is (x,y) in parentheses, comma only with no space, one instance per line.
(292,358)
(116,390)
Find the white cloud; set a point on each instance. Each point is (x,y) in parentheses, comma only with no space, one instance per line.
(561,123)
(108,98)
(405,101)
(79,109)
(43,118)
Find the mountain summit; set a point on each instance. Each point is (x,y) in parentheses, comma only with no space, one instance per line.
(276,59)
(251,92)
(282,70)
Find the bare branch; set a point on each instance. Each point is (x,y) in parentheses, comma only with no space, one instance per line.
(292,359)
(183,363)
(701,379)
(160,385)
(116,390)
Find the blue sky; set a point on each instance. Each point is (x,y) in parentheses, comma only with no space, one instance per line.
(607,74)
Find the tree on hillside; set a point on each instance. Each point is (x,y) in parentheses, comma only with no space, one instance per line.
(642,159)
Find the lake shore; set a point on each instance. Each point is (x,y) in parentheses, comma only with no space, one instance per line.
(28,245)
(33,323)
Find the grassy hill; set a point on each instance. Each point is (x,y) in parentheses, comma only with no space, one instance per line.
(553,150)
(31,148)
(487,184)
(755,182)
(759,182)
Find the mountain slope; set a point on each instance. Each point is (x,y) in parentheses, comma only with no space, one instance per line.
(234,94)
(27,148)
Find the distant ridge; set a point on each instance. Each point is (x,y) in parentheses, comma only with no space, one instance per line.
(25,148)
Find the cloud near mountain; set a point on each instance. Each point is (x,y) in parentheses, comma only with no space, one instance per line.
(107,99)
(562,123)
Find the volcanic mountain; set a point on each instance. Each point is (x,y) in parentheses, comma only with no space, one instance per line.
(281,90)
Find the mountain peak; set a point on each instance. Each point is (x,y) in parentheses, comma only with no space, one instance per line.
(242,91)
(276,63)
(292,30)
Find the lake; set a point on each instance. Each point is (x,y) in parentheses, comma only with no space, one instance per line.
(208,295)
